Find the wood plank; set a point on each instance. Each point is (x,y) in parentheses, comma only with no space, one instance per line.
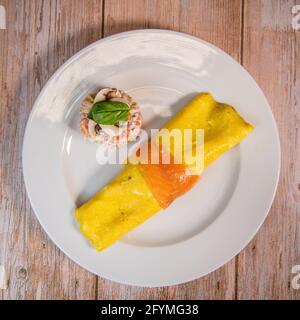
(40,36)
(272,55)
(13,201)
(208,20)
(45,35)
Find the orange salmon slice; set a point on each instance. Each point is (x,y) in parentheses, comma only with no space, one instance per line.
(167,181)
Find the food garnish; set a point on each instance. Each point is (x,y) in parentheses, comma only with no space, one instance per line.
(110,117)
(109,112)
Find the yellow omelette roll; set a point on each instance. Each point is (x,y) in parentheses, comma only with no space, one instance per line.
(222,126)
(129,200)
(119,207)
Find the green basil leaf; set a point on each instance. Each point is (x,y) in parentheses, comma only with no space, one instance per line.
(109,112)
(108,117)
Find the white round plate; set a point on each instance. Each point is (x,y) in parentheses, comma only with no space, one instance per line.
(200,231)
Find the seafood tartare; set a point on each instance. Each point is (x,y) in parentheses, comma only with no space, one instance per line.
(110,117)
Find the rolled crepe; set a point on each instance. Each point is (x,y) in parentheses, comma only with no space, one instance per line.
(141,190)
(223,126)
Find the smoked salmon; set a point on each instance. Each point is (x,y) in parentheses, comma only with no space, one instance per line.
(167,181)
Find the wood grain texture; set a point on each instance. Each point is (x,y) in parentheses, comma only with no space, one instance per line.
(207,20)
(41,35)
(271,53)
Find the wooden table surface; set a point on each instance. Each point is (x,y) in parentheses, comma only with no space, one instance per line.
(41,35)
